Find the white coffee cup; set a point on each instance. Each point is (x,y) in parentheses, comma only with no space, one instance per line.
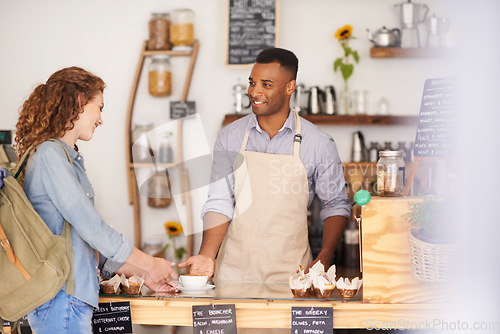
(193,281)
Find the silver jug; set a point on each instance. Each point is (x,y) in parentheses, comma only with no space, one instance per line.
(358,153)
(330,101)
(297,97)
(315,94)
(238,96)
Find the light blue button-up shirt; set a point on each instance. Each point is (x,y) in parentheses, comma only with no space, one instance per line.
(60,191)
(318,153)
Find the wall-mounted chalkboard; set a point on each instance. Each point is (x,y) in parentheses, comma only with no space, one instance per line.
(436,121)
(251,28)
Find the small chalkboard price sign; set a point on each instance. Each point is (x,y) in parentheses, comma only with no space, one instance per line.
(435,136)
(180,109)
(312,320)
(112,318)
(251,28)
(214,319)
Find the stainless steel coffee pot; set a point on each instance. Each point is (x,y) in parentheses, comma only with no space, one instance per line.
(410,15)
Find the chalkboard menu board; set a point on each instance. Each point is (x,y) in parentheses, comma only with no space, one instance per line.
(252,27)
(437,118)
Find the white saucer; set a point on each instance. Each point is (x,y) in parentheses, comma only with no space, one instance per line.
(195,290)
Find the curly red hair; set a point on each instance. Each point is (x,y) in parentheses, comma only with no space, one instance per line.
(52,108)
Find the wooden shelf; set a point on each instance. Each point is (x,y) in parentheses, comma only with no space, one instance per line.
(345,119)
(152,165)
(378,52)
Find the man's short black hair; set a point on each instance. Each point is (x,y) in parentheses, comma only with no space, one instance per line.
(285,58)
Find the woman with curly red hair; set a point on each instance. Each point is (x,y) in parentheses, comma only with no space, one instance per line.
(68,108)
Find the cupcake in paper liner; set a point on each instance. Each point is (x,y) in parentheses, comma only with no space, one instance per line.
(299,283)
(132,285)
(349,289)
(111,286)
(323,282)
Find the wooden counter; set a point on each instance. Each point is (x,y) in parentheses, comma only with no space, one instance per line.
(261,313)
(390,297)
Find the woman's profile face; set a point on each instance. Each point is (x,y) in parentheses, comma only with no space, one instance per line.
(90,118)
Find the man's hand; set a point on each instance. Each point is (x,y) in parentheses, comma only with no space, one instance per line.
(199,264)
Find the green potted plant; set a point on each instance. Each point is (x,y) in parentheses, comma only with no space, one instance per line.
(431,239)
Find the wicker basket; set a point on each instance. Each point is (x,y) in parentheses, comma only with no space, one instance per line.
(431,262)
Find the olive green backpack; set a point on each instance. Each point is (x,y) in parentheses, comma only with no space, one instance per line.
(34,263)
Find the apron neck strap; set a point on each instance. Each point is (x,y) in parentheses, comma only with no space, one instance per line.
(297,139)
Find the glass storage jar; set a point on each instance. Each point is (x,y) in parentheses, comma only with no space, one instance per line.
(390,174)
(182,29)
(141,150)
(160,76)
(159,195)
(159,32)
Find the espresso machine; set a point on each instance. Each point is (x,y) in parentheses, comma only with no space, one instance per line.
(410,15)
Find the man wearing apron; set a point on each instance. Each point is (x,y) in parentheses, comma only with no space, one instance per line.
(267,168)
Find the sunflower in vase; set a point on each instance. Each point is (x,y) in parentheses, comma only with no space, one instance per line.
(174,229)
(344,64)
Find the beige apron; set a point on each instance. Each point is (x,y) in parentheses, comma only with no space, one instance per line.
(268,237)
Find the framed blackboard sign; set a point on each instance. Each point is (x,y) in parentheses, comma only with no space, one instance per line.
(437,118)
(252,26)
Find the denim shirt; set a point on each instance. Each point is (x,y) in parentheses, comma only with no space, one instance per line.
(60,191)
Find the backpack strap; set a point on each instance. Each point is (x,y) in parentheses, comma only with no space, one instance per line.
(66,231)
(11,255)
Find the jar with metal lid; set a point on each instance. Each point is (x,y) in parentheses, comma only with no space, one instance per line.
(141,150)
(390,174)
(160,76)
(182,29)
(159,32)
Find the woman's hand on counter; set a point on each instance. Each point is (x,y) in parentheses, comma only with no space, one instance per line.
(199,264)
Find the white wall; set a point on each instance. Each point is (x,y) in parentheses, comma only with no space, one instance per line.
(105,37)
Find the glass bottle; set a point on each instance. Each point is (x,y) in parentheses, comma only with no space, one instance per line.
(387,146)
(373,151)
(182,29)
(390,174)
(159,32)
(159,194)
(160,76)
(166,154)
(141,150)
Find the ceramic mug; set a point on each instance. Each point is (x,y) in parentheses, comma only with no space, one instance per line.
(193,281)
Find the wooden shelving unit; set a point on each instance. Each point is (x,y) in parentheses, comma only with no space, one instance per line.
(378,52)
(346,119)
(131,166)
